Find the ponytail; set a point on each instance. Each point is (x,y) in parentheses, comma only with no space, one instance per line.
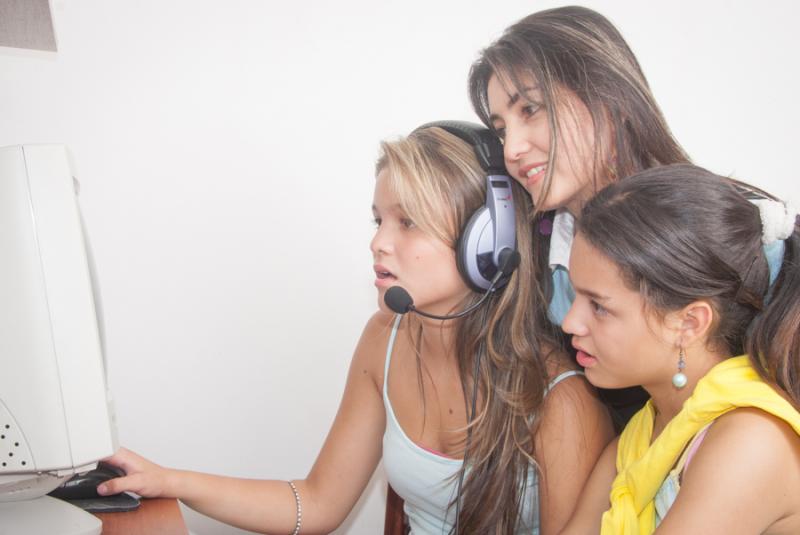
(774,342)
(716,227)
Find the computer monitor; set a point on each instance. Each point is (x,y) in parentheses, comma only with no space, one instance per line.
(56,414)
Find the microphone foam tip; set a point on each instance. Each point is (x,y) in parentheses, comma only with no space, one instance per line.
(398,300)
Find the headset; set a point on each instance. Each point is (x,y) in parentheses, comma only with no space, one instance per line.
(491,227)
(486,252)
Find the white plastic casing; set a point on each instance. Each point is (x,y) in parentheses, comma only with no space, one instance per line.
(55,412)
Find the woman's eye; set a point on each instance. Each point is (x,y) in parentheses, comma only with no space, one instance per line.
(407,223)
(501,134)
(528,110)
(597,308)
(377,222)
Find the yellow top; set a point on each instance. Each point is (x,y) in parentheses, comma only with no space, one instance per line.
(642,466)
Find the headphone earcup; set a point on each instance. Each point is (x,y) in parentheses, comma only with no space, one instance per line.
(461,257)
(474,251)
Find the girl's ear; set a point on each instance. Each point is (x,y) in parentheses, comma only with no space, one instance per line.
(690,324)
(696,320)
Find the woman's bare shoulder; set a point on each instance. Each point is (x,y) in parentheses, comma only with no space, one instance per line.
(750,461)
(370,353)
(760,434)
(572,407)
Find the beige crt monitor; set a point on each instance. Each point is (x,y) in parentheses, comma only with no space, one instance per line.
(56,415)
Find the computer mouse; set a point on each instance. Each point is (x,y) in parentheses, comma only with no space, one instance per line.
(84,486)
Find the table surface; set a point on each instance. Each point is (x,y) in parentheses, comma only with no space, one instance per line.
(162,516)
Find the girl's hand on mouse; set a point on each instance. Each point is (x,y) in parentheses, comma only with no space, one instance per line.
(143,477)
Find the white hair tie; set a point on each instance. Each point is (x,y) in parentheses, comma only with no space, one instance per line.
(777,220)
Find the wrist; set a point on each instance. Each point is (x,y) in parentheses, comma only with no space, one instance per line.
(172,483)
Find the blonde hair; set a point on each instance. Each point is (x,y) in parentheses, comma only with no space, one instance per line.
(436,178)
(439,183)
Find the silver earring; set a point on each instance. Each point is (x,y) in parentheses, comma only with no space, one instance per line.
(679,380)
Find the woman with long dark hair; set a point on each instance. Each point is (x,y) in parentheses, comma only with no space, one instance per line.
(677,292)
(567,97)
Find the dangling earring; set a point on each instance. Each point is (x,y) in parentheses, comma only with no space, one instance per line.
(679,380)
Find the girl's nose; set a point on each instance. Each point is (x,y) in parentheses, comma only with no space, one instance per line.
(380,244)
(572,323)
(515,144)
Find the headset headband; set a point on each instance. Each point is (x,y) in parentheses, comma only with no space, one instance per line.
(487,147)
(491,229)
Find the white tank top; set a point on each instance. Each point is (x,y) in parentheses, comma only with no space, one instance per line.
(427,481)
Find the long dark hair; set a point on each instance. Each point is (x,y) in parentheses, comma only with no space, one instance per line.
(680,233)
(578,49)
(514,342)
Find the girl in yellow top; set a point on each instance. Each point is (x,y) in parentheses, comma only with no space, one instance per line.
(673,281)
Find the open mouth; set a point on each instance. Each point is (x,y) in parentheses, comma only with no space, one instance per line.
(383,276)
(585,359)
(532,172)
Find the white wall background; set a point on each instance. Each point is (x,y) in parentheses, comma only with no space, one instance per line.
(226,149)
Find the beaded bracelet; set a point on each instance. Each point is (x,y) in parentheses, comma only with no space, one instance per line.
(299,508)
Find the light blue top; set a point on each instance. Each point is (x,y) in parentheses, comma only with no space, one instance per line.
(427,482)
(560,248)
(563,295)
